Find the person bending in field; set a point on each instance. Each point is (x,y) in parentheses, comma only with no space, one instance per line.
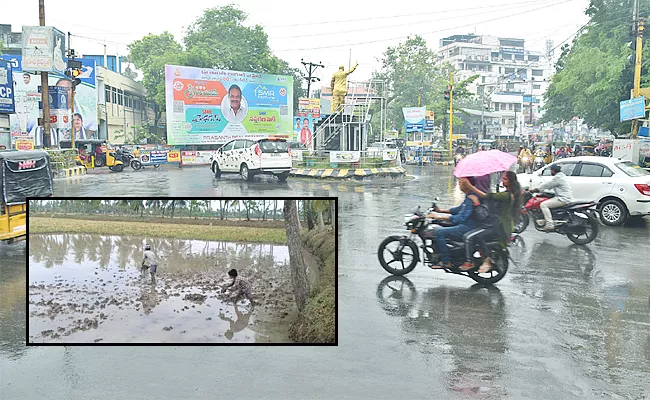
(240,288)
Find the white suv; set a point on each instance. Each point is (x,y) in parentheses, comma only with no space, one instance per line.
(621,188)
(251,157)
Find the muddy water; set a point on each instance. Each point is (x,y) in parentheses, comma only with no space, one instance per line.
(90,288)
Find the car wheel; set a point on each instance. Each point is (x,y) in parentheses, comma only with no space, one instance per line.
(217,170)
(613,213)
(245,173)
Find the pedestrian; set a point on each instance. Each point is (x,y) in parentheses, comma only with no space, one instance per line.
(240,288)
(151,260)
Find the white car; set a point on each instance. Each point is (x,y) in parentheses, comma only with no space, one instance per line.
(621,188)
(252,157)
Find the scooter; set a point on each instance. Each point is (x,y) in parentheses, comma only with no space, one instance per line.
(538,162)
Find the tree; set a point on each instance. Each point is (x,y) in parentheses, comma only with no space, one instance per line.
(409,69)
(140,134)
(596,72)
(150,54)
(296,261)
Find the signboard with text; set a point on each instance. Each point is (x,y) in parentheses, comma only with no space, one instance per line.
(632,109)
(345,156)
(43,49)
(210,106)
(7,105)
(414,118)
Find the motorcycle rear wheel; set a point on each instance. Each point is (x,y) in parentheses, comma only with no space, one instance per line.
(400,250)
(498,271)
(522,223)
(591,233)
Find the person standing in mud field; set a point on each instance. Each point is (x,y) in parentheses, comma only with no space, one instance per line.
(151,260)
(240,288)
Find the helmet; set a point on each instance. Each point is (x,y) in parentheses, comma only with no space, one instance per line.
(556,168)
(147,246)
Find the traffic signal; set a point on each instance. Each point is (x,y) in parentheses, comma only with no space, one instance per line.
(73,74)
(448,92)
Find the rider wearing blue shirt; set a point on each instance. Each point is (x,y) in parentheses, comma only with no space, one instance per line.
(462,219)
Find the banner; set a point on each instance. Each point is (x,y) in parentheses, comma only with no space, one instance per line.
(196,157)
(632,109)
(209,106)
(173,156)
(7,105)
(390,155)
(345,156)
(307,107)
(27,98)
(24,144)
(414,118)
(43,49)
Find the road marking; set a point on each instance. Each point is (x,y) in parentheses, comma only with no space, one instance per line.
(327,173)
(313,172)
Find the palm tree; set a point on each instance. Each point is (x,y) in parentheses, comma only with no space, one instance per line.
(296,261)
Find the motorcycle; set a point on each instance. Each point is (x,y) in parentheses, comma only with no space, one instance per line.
(458,157)
(577,220)
(524,164)
(539,162)
(404,251)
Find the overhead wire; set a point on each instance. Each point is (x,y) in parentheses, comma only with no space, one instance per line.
(403,24)
(425,33)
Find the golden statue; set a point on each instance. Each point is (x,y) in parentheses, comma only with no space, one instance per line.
(339,86)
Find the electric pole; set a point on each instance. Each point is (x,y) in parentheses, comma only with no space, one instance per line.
(45,95)
(451,111)
(310,78)
(639,28)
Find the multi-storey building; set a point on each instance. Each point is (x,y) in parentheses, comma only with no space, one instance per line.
(513,78)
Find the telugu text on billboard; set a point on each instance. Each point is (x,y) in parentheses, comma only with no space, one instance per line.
(43,49)
(27,98)
(210,106)
(414,118)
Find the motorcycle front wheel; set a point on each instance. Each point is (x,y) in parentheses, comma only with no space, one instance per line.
(522,223)
(398,255)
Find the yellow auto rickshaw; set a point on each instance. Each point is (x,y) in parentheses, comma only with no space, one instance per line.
(95,154)
(22,174)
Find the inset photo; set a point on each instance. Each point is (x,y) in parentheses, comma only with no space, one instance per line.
(176,271)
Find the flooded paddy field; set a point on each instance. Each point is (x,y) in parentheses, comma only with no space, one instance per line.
(86,288)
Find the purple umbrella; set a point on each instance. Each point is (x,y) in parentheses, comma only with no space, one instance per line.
(484,163)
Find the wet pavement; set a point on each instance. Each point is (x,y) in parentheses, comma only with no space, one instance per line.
(91,288)
(567,322)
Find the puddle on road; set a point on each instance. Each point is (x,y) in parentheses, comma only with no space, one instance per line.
(90,288)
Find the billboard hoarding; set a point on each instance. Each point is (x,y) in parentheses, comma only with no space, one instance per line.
(414,118)
(27,98)
(43,49)
(210,106)
(7,104)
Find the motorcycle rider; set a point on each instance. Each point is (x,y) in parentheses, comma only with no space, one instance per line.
(563,195)
(525,154)
(508,206)
(461,218)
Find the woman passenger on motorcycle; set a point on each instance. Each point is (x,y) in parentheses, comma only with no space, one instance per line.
(461,219)
(509,208)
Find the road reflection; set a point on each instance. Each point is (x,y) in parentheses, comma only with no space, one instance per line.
(467,326)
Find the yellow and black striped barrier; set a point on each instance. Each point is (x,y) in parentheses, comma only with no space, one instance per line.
(347,173)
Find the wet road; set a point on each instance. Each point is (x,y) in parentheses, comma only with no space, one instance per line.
(567,322)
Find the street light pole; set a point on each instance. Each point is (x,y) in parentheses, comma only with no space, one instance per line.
(480,136)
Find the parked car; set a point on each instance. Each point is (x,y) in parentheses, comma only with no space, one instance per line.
(252,157)
(621,188)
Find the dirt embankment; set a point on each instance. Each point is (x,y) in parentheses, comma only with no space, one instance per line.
(318,322)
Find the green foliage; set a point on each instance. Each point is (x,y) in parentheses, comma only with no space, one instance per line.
(217,39)
(412,67)
(139,134)
(596,72)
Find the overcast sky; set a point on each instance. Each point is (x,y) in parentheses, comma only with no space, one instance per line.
(312,30)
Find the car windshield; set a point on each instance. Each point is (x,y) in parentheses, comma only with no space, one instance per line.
(632,169)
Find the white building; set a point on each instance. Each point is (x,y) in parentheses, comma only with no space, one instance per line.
(514,78)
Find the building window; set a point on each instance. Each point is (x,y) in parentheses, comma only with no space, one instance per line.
(483,79)
(114,95)
(509,70)
(518,107)
(538,72)
(510,107)
(510,86)
(533,58)
(537,87)
(495,56)
(120,97)
(107,93)
(519,57)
